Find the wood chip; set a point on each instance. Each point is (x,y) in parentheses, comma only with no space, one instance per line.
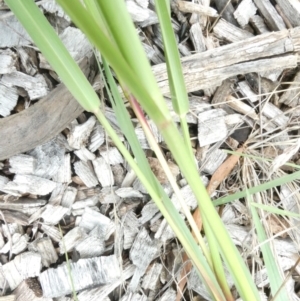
(86,273)
(86,173)
(275,114)
(71,239)
(29,184)
(22,164)
(128,192)
(84,154)
(196,67)
(35,86)
(152,277)
(103,172)
(46,249)
(291,97)
(17,244)
(52,231)
(53,214)
(29,290)
(8,61)
(97,137)
(63,174)
(247,91)
(229,32)
(137,13)
(291,9)
(241,107)
(88,202)
(143,251)
(108,196)
(100,293)
(197,37)
(112,156)
(188,196)
(259,25)
(211,127)
(245,10)
(213,160)
(14,33)
(91,246)
(91,219)
(148,211)
(49,157)
(191,7)
(28,60)
(24,266)
(270,14)
(9,97)
(79,134)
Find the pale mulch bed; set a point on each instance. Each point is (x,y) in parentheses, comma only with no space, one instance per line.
(65,188)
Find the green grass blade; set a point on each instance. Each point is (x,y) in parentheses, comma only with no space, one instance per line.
(149,95)
(180,228)
(154,105)
(218,264)
(175,74)
(55,52)
(262,187)
(127,127)
(275,210)
(275,278)
(128,42)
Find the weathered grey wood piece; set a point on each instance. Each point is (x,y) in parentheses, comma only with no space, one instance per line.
(100,293)
(208,122)
(291,9)
(79,133)
(22,164)
(269,12)
(40,122)
(29,184)
(13,33)
(137,13)
(35,86)
(86,173)
(169,295)
(245,10)
(91,219)
(197,37)
(71,239)
(191,7)
(8,61)
(46,249)
(24,266)
(290,97)
(152,276)
(85,273)
(226,10)
(16,245)
(53,214)
(9,97)
(22,204)
(208,68)
(91,246)
(29,290)
(143,251)
(259,25)
(229,32)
